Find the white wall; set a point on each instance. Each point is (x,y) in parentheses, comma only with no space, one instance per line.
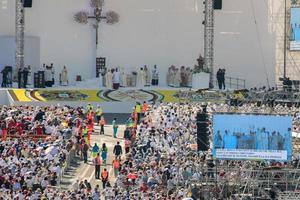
(161,32)
(8,54)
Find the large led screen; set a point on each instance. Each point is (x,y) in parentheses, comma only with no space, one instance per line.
(295,29)
(252,137)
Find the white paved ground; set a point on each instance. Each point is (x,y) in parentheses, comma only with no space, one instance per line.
(82,171)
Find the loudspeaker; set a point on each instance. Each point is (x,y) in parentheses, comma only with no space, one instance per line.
(218,4)
(202,131)
(27,3)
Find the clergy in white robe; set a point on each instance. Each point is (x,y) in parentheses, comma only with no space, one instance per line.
(108,79)
(141,78)
(123,80)
(148,76)
(144,77)
(64,76)
(172,76)
(169,77)
(189,77)
(177,78)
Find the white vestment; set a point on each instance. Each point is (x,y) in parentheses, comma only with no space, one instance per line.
(190,78)
(177,79)
(109,80)
(144,78)
(116,77)
(172,77)
(64,77)
(123,80)
(141,81)
(148,77)
(169,78)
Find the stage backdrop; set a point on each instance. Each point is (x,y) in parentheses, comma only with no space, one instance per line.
(161,32)
(252,137)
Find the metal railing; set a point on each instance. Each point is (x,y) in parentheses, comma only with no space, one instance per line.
(233,83)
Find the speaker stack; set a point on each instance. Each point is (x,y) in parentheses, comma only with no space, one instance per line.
(202,130)
(27,3)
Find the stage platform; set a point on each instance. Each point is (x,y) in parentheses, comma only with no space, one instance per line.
(113,101)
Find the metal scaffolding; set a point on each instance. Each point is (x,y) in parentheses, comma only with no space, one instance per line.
(209,39)
(20,27)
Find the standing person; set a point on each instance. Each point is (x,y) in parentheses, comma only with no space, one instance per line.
(144,108)
(102,123)
(64,77)
(97,163)
(95,150)
(148,76)
(116,79)
(155,75)
(52,73)
(85,152)
(25,76)
(3,130)
(115,127)
(20,85)
(138,109)
(116,166)
(118,150)
(108,78)
(104,153)
(98,113)
(104,177)
(85,133)
(29,77)
(89,108)
(219,79)
(223,78)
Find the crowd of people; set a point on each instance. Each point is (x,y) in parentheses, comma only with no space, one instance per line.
(161,159)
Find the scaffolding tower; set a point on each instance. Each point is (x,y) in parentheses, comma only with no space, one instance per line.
(20,28)
(209,39)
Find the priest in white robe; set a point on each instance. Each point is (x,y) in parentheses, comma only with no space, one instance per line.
(189,77)
(177,78)
(123,79)
(147,76)
(141,78)
(108,79)
(172,76)
(169,77)
(64,76)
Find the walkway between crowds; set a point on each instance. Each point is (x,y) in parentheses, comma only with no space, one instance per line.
(80,171)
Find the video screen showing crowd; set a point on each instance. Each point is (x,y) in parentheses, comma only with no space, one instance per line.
(252,137)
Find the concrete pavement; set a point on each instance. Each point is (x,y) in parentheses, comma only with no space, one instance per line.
(80,171)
